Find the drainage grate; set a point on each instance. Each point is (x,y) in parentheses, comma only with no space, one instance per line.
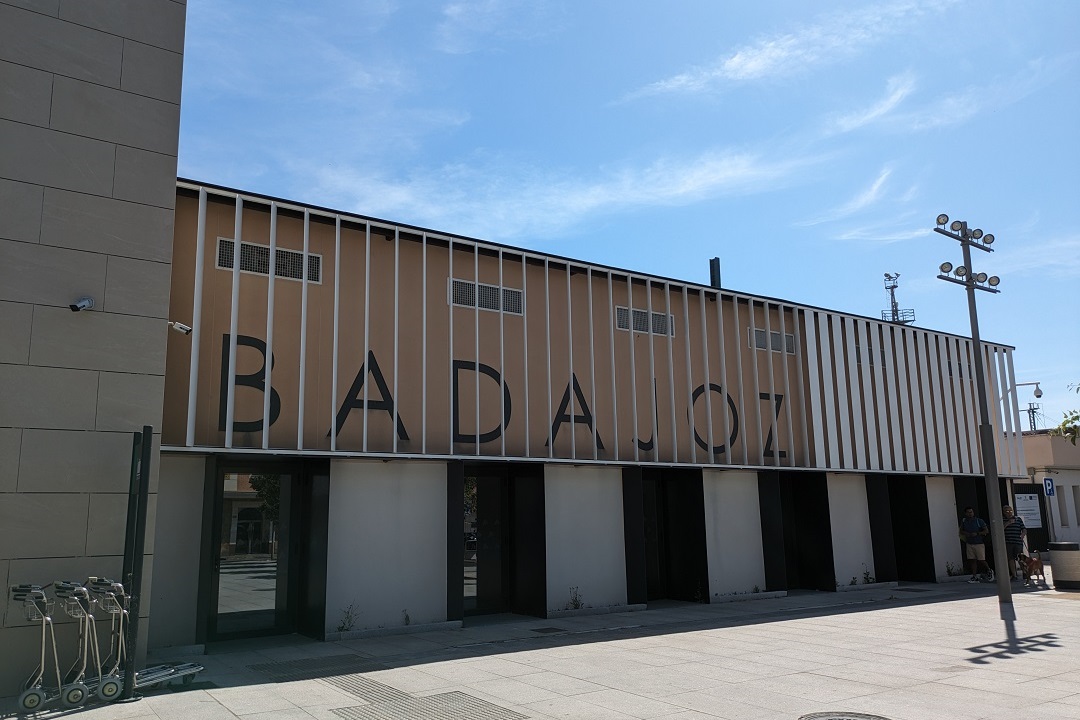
(316,667)
(367,689)
(841,716)
(547,630)
(444,706)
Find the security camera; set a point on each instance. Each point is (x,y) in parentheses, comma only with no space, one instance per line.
(86,303)
(180,327)
(1038,392)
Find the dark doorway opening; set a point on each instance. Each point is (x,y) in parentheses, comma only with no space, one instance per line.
(673,508)
(807,533)
(913,544)
(504,546)
(264,549)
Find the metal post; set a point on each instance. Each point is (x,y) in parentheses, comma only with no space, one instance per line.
(136,552)
(989,457)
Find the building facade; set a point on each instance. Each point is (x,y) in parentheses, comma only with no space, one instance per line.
(374,425)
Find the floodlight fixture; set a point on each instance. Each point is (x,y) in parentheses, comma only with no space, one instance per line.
(980,278)
(988,239)
(976,233)
(956,226)
(961,271)
(945,268)
(994,281)
(942,219)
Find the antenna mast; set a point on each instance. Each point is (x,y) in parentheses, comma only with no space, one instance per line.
(894,313)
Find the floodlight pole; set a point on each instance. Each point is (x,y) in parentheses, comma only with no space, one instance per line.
(986,437)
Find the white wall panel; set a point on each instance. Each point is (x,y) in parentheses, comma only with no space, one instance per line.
(944,521)
(386,543)
(585,547)
(732,532)
(849,515)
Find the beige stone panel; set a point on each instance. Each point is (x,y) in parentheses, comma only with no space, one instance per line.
(98,341)
(28,38)
(137,287)
(127,402)
(156,22)
(107,523)
(10,440)
(15,332)
(41,525)
(146,177)
(151,71)
(104,225)
(24,94)
(42,275)
(121,117)
(21,218)
(47,157)
(47,397)
(63,461)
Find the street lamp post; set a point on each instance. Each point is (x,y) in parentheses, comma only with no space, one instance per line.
(966,276)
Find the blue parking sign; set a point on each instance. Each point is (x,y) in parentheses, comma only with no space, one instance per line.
(1048,483)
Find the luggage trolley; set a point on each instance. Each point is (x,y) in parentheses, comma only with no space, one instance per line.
(39,608)
(79,605)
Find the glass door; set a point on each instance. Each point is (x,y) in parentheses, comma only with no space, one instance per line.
(250,574)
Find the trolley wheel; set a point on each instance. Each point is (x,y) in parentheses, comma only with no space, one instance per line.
(31,700)
(74,695)
(109,689)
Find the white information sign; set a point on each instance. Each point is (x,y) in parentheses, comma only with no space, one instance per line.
(1027,509)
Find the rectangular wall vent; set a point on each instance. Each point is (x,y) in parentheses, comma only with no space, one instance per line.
(255,258)
(776,345)
(661,324)
(466,293)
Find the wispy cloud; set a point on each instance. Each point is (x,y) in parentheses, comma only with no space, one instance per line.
(962,105)
(472,25)
(899,87)
(862,200)
(503,204)
(833,37)
(1057,256)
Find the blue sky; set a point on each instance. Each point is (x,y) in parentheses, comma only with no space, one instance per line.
(808,145)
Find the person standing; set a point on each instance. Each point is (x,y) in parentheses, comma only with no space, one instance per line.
(973,531)
(1015,532)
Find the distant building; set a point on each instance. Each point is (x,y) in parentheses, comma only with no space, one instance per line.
(1059,460)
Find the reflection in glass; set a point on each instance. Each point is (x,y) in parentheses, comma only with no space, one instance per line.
(248,568)
(470,544)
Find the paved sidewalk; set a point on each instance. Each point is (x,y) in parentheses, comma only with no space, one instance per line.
(916,652)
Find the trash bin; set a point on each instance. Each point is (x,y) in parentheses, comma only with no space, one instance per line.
(1065,565)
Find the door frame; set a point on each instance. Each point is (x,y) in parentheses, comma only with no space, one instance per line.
(287,594)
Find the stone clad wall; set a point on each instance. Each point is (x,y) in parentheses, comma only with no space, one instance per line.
(89,124)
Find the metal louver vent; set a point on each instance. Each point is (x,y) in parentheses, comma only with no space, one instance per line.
(255,258)
(661,324)
(788,345)
(466,293)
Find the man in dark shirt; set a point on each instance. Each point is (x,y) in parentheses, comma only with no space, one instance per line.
(1014,537)
(973,532)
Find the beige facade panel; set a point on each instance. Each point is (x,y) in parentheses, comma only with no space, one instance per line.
(330,333)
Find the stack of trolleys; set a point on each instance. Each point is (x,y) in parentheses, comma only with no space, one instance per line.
(39,608)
